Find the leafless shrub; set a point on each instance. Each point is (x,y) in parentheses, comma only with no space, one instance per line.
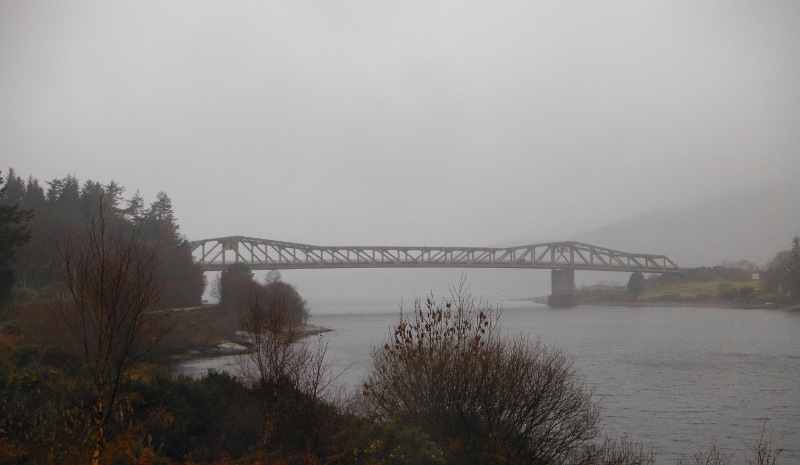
(286,366)
(710,456)
(484,398)
(619,452)
(764,452)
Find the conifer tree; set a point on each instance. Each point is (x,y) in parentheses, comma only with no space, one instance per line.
(14,233)
(135,210)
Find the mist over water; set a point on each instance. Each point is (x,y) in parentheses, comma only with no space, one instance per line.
(386,290)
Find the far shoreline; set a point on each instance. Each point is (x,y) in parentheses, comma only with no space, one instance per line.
(542,300)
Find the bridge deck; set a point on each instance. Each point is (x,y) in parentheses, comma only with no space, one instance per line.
(262,254)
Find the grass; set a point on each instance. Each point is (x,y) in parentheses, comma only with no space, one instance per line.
(698,288)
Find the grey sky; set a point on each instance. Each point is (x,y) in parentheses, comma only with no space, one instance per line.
(415,123)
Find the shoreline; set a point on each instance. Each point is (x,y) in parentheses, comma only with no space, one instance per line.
(234,344)
(542,300)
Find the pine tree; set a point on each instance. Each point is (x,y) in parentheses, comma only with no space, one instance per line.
(54,190)
(162,219)
(34,194)
(14,190)
(135,210)
(14,233)
(113,195)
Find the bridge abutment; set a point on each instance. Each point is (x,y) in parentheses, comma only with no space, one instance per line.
(562,288)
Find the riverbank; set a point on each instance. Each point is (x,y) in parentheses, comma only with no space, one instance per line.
(713,288)
(210,331)
(667,303)
(634,303)
(619,298)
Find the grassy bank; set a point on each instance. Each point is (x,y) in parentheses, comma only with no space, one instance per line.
(736,293)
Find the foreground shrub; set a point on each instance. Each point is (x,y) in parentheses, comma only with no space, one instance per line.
(483,398)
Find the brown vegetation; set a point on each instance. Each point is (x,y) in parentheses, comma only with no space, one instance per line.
(113,288)
(483,397)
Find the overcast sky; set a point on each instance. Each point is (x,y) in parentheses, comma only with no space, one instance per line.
(403,122)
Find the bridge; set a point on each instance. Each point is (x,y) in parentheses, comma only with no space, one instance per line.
(563,258)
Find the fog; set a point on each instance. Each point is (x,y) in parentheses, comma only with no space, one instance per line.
(403,123)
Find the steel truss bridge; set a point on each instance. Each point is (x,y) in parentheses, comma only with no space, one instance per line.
(563,258)
(263,254)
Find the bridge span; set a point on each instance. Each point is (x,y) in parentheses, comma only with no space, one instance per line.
(563,258)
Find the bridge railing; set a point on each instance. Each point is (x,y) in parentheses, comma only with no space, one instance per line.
(262,254)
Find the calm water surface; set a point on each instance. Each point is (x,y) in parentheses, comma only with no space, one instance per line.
(677,379)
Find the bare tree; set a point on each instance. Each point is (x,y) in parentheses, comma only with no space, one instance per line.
(482,397)
(620,452)
(274,354)
(112,289)
(710,456)
(764,452)
(283,364)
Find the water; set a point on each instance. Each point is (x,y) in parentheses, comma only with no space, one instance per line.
(676,379)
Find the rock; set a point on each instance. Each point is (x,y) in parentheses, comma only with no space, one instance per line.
(229,348)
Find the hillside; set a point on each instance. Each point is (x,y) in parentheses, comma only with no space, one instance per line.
(752,224)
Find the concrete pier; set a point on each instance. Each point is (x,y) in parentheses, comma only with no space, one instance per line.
(562,285)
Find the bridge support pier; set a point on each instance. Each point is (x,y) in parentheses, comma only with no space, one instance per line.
(562,288)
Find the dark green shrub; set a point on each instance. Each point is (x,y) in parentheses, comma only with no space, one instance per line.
(396,444)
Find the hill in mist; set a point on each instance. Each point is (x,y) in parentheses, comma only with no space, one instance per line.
(752,224)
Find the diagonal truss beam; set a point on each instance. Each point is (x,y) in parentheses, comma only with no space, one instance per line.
(263,254)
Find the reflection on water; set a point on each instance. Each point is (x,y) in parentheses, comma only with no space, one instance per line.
(678,379)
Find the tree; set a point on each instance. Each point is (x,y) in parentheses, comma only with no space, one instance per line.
(483,398)
(793,270)
(184,280)
(783,273)
(54,190)
(14,189)
(112,291)
(34,194)
(236,287)
(135,210)
(775,276)
(161,209)
(113,195)
(288,371)
(160,220)
(286,296)
(70,192)
(14,233)
(636,284)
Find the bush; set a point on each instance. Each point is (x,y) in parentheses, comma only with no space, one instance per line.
(396,444)
(481,397)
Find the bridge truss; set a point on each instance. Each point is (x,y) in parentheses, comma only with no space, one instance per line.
(263,254)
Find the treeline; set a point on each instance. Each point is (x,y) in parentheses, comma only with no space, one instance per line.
(60,207)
